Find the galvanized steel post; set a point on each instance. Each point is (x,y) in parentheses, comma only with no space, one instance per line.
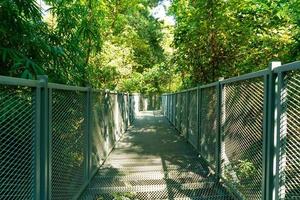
(265,134)
(199,104)
(219,105)
(37,142)
(187,114)
(175,113)
(281,132)
(88,134)
(272,147)
(44,137)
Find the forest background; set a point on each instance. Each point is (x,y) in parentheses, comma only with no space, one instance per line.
(147,46)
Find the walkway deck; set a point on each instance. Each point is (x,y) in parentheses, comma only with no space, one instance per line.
(153,162)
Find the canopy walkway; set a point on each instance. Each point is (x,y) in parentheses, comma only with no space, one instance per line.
(153,162)
(233,139)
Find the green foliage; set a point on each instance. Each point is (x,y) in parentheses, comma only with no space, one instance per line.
(124,196)
(246,169)
(105,44)
(22,38)
(119,45)
(134,83)
(215,38)
(121,196)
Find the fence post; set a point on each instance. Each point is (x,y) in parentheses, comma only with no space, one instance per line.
(199,107)
(281,131)
(168,107)
(175,113)
(174,109)
(38,132)
(220,98)
(44,137)
(88,134)
(187,115)
(271,167)
(130,109)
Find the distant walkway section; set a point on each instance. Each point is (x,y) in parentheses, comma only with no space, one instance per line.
(152,161)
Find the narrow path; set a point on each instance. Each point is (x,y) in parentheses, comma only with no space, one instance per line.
(153,162)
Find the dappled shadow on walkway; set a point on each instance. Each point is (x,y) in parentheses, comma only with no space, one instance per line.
(153,161)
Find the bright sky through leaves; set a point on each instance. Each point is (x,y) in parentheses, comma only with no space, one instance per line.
(160,12)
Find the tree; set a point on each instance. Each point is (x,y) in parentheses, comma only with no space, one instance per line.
(87,42)
(216,38)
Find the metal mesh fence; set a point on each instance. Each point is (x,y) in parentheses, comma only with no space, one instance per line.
(149,102)
(131,106)
(99,130)
(173,111)
(113,132)
(164,104)
(168,106)
(125,112)
(68,126)
(17,142)
(184,111)
(171,108)
(208,124)
(243,118)
(192,118)
(290,137)
(178,112)
(242,126)
(120,112)
(54,137)
(242,129)
(110,118)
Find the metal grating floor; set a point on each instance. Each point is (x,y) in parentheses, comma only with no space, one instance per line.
(153,162)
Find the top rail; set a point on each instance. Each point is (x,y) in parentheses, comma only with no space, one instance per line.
(283,68)
(67,87)
(288,67)
(4,80)
(245,77)
(210,85)
(13,81)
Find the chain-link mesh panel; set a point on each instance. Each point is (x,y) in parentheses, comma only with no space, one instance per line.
(192,119)
(112,132)
(109,120)
(208,124)
(68,131)
(178,111)
(99,129)
(173,108)
(125,110)
(184,111)
(164,104)
(290,138)
(17,143)
(150,102)
(131,108)
(120,112)
(116,117)
(168,107)
(242,134)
